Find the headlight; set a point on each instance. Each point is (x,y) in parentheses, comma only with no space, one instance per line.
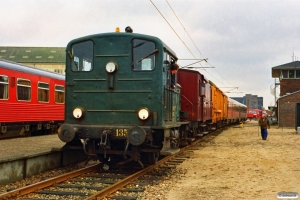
(77,113)
(143,113)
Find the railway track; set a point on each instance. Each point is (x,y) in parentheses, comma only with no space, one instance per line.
(95,183)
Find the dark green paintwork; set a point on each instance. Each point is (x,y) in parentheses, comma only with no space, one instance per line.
(131,90)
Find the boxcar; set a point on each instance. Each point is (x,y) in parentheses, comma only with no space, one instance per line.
(195,100)
(219,106)
(31,100)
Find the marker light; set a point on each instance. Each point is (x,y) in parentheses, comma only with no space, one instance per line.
(117,29)
(111,67)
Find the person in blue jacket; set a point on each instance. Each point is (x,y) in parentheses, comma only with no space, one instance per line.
(264,126)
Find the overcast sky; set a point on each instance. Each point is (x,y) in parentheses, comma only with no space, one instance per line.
(242,39)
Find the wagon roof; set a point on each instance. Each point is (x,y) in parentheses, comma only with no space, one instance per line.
(27,69)
(194,71)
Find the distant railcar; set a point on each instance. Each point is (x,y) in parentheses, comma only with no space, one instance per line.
(205,105)
(236,111)
(254,114)
(31,100)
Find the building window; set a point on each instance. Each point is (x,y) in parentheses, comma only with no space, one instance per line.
(43,92)
(59,71)
(3,87)
(297,73)
(290,74)
(23,90)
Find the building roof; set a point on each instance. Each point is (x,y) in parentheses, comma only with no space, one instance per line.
(33,54)
(292,65)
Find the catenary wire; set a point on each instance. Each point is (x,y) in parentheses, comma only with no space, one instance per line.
(190,39)
(193,40)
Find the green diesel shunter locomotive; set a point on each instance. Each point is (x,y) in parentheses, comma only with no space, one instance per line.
(119,102)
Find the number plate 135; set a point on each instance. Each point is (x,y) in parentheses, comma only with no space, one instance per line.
(121,132)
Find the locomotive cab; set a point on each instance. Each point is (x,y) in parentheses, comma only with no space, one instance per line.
(119,102)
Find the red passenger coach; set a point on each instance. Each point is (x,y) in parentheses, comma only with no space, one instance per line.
(254,114)
(31,100)
(236,111)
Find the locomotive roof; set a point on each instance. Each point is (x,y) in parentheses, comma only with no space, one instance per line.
(121,34)
(27,69)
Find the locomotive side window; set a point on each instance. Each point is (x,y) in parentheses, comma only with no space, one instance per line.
(43,92)
(59,94)
(23,90)
(3,87)
(143,55)
(169,60)
(82,59)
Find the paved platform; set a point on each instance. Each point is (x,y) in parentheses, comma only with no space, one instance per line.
(25,157)
(16,148)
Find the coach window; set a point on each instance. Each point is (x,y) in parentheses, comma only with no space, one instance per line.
(59,94)
(3,87)
(143,55)
(23,90)
(43,92)
(82,56)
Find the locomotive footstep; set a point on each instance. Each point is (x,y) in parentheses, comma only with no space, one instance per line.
(105,167)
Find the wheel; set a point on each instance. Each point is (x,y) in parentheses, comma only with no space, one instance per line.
(152,157)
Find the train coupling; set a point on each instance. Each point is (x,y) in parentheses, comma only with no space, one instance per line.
(170,146)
